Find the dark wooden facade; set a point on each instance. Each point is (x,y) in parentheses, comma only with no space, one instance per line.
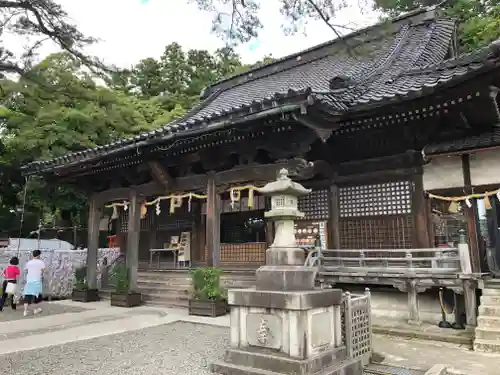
(367,161)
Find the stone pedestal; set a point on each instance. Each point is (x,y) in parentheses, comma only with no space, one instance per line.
(285,325)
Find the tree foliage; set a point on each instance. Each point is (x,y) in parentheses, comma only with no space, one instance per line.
(41,21)
(62,108)
(238,21)
(478,20)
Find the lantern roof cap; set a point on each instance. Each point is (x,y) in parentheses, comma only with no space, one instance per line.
(284,186)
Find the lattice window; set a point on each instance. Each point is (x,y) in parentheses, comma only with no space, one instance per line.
(123,219)
(390,232)
(390,198)
(315,205)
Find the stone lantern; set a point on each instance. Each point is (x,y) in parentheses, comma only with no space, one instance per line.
(285,325)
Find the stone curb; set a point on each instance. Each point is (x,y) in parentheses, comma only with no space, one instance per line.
(423,335)
(437,370)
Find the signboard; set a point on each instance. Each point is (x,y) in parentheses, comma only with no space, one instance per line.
(306,233)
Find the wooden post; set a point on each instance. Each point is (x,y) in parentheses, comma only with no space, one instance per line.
(334,222)
(213,222)
(472,219)
(421,239)
(134,227)
(93,242)
(470,303)
(413,312)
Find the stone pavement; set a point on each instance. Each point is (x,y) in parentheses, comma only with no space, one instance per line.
(97,338)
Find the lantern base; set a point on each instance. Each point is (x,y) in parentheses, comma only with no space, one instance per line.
(285,278)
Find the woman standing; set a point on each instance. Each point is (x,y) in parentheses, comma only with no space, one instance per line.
(33,288)
(10,275)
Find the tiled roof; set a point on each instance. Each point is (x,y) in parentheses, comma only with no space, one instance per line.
(385,62)
(473,142)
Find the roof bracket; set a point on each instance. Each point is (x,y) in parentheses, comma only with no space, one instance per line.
(493,95)
(322,132)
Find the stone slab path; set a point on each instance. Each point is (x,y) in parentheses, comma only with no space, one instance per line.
(96,338)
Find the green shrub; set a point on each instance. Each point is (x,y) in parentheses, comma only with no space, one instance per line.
(206,284)
(121,279)
(81,279)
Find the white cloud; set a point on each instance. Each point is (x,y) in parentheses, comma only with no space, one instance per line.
(130,30)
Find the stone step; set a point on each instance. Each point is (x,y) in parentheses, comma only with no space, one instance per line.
(488,322)
(163,290)
(173,304)
(224,368)
(487,310)
(487,346)
(349,366)
(281,364)
(490,300)
(491,334)
(491,292)
(166,300)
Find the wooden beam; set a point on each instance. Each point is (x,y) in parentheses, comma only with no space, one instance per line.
(160,174)
(420,217)
(298,169)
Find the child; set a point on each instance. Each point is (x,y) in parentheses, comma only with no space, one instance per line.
(33,288)
(10,275)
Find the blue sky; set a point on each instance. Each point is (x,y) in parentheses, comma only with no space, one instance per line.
(134,29)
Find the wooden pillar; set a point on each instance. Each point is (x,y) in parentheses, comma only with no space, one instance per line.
(134,228)
(472,215)
(213,222)
(334,222)
(413,311)
(420,214)
(470,303)
(93,241)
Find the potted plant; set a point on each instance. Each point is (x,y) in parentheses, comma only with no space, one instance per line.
(208,298)
(123,296)
(81,290)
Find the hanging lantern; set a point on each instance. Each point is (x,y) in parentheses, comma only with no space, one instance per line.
(453,209)
(114,216)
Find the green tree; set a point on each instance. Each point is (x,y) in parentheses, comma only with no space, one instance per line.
(478,20)
(237,21)
(42,20)
(74,114)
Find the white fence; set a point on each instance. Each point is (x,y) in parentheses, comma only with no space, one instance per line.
(61,265)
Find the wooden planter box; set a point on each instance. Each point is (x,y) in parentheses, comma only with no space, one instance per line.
(126,300)
(207,307)
(88,295)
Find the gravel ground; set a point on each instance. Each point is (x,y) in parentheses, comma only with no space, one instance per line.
(170,349)
(49,308)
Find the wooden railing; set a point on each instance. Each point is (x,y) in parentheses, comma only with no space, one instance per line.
(442,260)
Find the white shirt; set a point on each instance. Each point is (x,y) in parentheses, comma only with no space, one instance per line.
(35,268)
